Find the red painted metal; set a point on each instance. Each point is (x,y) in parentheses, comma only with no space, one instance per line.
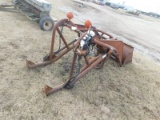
(106,47)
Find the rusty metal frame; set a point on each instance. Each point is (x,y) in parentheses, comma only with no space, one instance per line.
(108,48)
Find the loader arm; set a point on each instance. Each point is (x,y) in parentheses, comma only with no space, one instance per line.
(91,44)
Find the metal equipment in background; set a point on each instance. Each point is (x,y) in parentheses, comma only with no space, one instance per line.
(36,10)
(92,45)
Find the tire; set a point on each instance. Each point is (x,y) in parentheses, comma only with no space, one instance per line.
(46,23)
